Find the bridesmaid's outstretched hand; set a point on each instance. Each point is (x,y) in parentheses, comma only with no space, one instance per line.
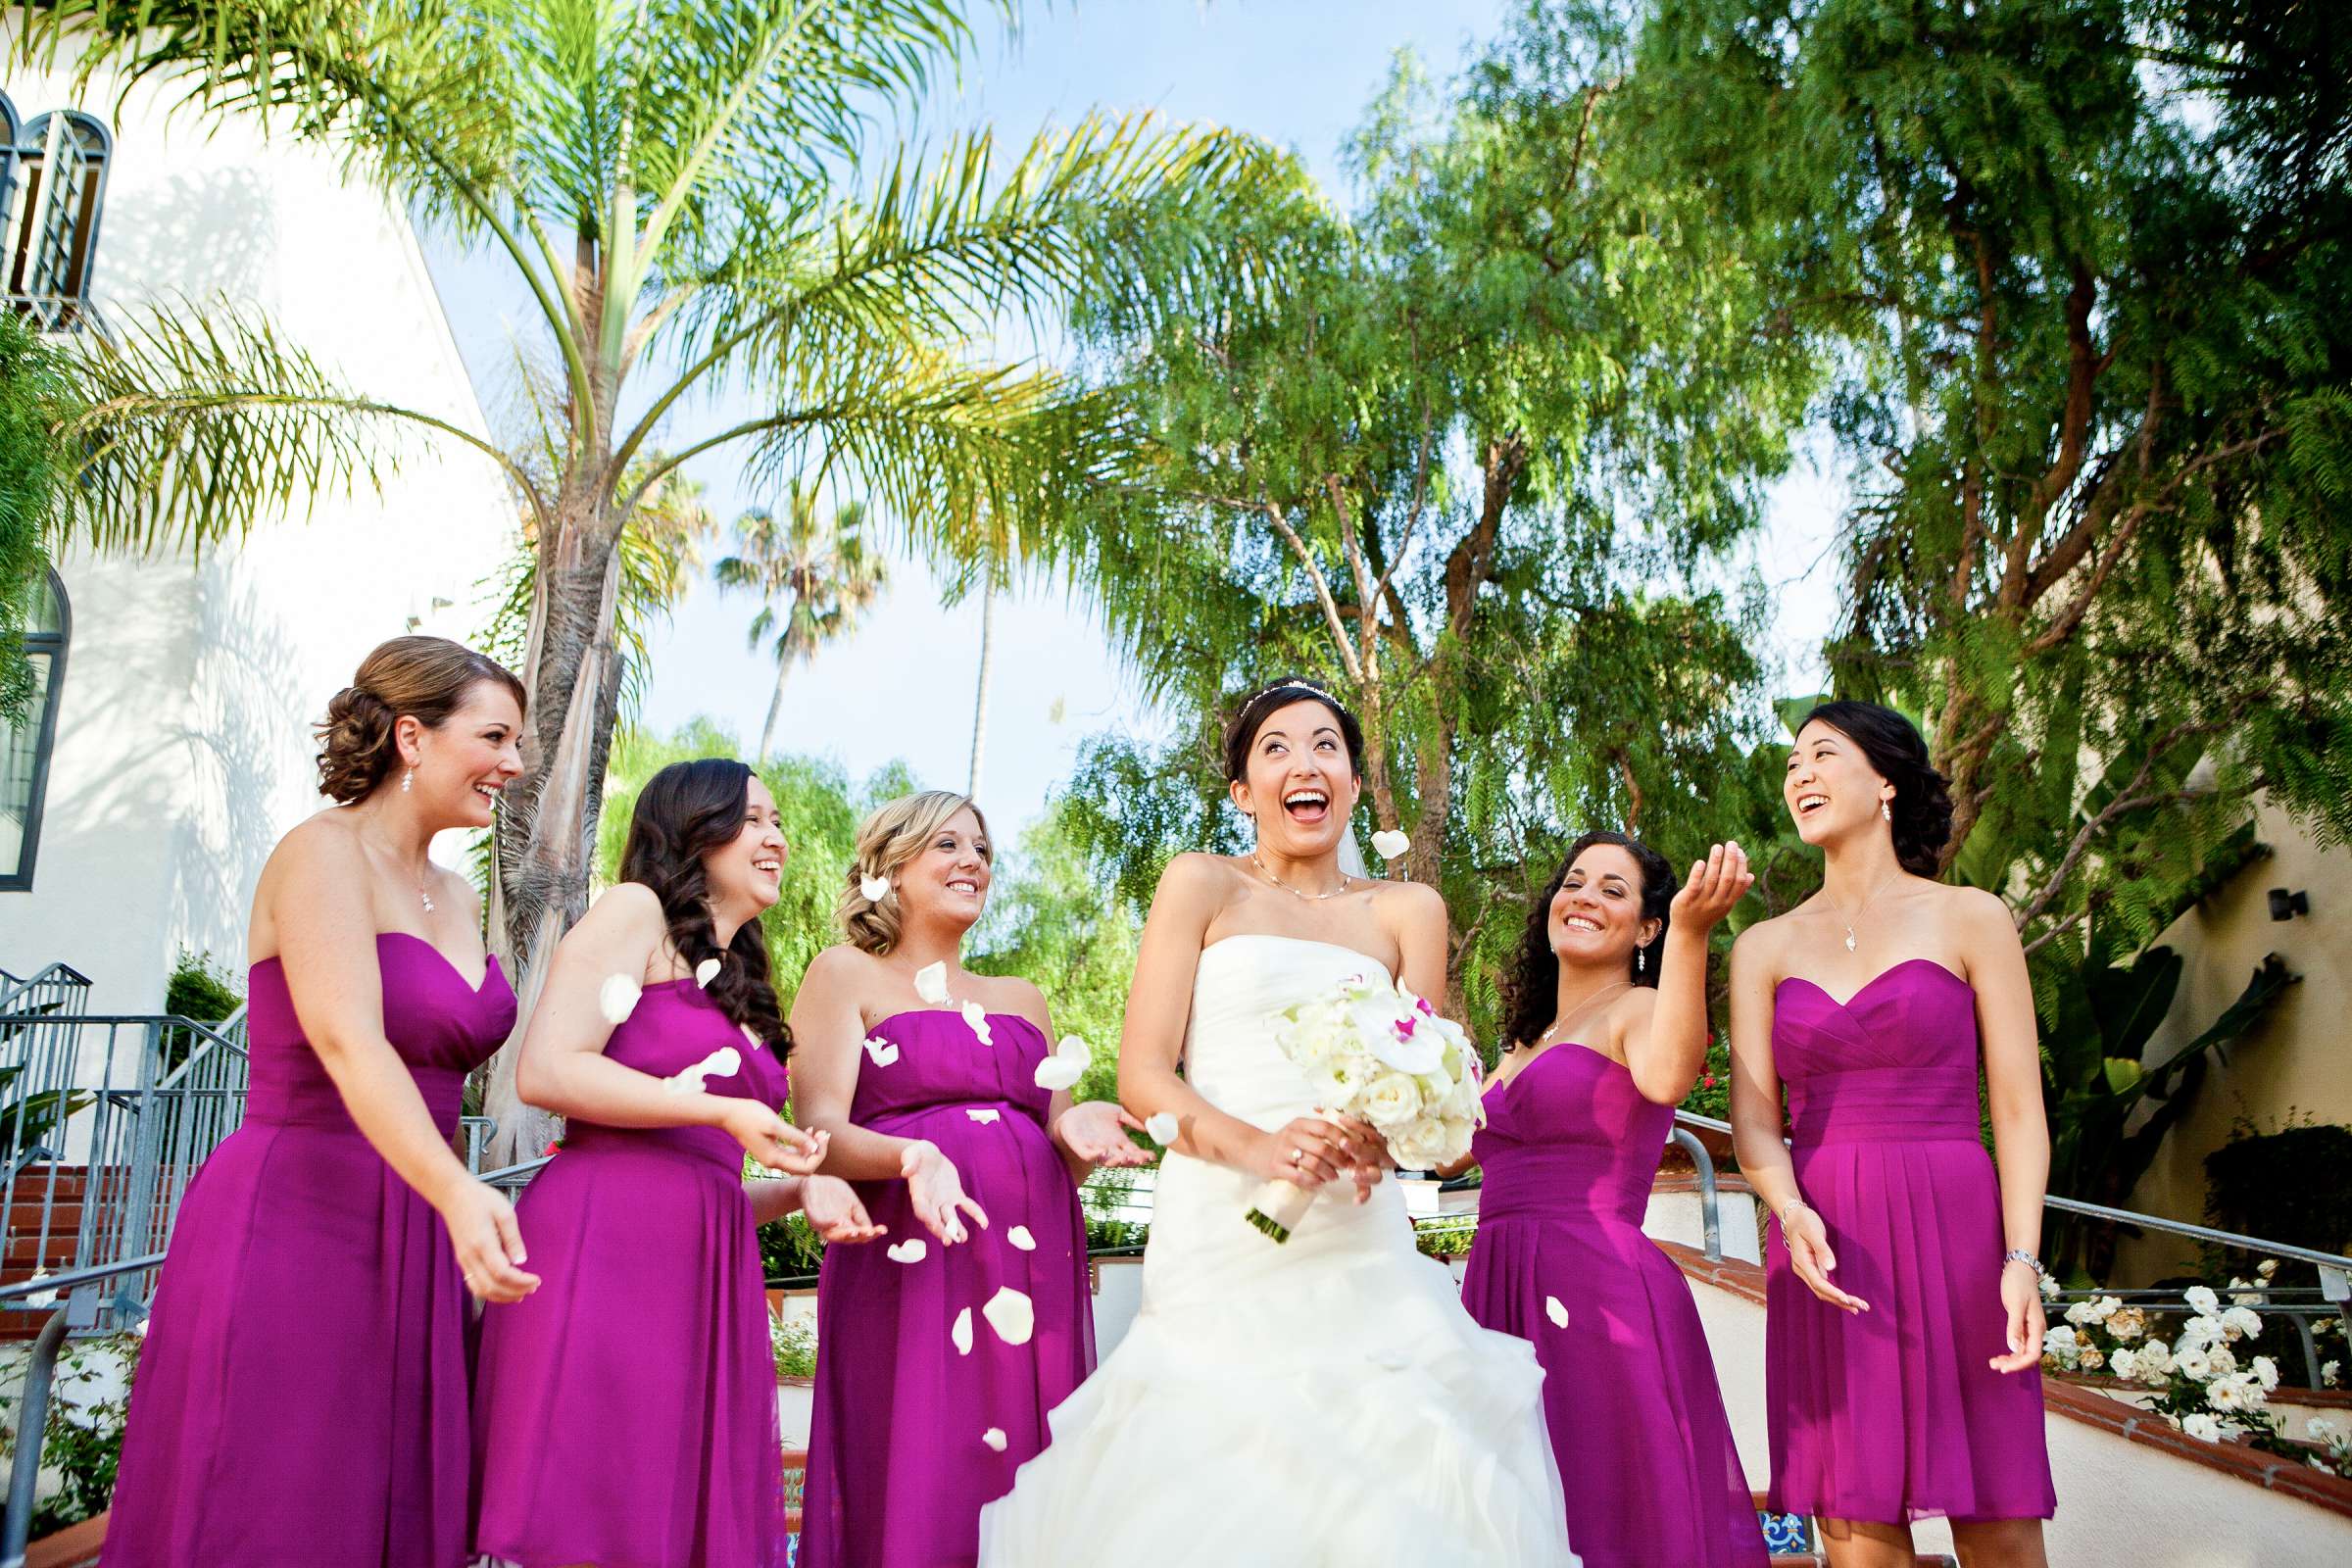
(487,1241)
(2021,1307)
(1808,1243)
(834,1212)
(1714,885)
(1095,1131)
(936,1189)
(774,1143)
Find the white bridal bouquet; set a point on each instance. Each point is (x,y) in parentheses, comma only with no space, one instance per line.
(1376,1051)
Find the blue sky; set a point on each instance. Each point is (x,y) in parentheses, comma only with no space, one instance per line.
(1296,73)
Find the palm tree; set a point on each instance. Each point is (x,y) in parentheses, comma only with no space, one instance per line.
(816,565)
(666,180)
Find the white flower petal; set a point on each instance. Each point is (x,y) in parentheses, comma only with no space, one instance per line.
(977,1015)
(1163,1128)
(876,888)
(993,1437)
(931,983)
(881,1051)
(1553,1310)
(984,1117)
(962,1333)
(724,1062)
(1010,1313)
(1020,1238)
(617,998)
(1055,1073)
(705,972)
(913,1249)
(750,1034)
(1389,846)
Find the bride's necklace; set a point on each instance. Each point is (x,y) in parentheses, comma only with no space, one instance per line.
(1297,892)
(1860,910)
(1581,1009)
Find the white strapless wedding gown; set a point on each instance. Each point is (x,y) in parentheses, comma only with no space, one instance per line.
(1327,1401)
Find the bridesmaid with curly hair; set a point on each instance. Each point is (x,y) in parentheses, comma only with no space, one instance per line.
(1903,1316)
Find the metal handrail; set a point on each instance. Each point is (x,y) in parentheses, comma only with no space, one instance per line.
(33,1416)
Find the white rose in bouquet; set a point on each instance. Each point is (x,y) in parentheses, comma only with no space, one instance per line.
(1390,1102)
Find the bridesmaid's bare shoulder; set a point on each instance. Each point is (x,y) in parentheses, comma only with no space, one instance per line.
(1761,951)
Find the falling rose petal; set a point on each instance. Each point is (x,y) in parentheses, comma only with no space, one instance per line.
(876,889)
(977,1016)
(1553,1310)
(993,1437)
(724,1062)
(1389,845)
(1019,1236)
(913,1249)
(986,1118)
(1161,1128)
(962,1333)
(705,972)
(931,983)
(617,998)
(1010,1313)
(1065,1066)
(750,1034)
(881,1051)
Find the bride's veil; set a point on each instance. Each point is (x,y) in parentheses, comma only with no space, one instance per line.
(1352,859)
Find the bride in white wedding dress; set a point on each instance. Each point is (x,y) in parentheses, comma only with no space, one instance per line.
(1325,1401)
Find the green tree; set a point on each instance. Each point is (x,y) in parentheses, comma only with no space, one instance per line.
(815,576)
(2079,265)
(1471,454)
(673,186)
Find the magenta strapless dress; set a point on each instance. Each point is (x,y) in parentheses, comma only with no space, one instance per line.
(1569,1151)
(899,1457)
(625,1412)
(1894,1414)
(300,1399)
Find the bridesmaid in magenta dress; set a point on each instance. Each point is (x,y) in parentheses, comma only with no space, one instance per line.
(1609,1019)
(301,1398)
(625,1416)
(939,1356)
(1904,1322)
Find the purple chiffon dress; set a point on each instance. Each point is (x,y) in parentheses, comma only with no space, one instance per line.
(1569,1151)
(301,1398)
(928,1399)
(1895,1414)
(625,1412)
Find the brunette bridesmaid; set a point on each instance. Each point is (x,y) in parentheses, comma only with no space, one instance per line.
(1904,1322)
(302,1395)
(937,1358)
(625,1416)
(1609,1023)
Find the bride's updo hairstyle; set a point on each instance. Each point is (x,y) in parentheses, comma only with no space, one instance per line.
(1533,988)
(426,678)
(1922,808)
(685,812)
(890,836)
(1261,705)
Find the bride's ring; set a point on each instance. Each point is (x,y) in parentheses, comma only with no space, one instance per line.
(1298,1156)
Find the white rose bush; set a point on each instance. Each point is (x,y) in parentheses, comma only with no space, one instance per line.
(2207,1380)
(1378,1053)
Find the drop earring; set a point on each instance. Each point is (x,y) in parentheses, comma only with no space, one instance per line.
(1640,960)
(407,781)
(1887,809)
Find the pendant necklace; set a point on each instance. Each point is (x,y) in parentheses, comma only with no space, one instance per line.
(1295,892)
(1859,909)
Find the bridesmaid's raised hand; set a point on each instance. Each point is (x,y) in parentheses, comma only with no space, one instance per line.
(936,1189)
(488,1243)
(1808,1243)
(1714,885)
(834,1212)
(2021,1307)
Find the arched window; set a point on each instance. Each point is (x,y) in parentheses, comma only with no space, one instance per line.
(60,161)
(27,741)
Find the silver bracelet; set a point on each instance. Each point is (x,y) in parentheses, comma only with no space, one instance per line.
(2017,1254)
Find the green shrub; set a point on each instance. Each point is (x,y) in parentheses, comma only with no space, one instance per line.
(83,1443)
(794,1339)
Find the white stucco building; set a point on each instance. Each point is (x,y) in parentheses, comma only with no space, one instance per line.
(172,746)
